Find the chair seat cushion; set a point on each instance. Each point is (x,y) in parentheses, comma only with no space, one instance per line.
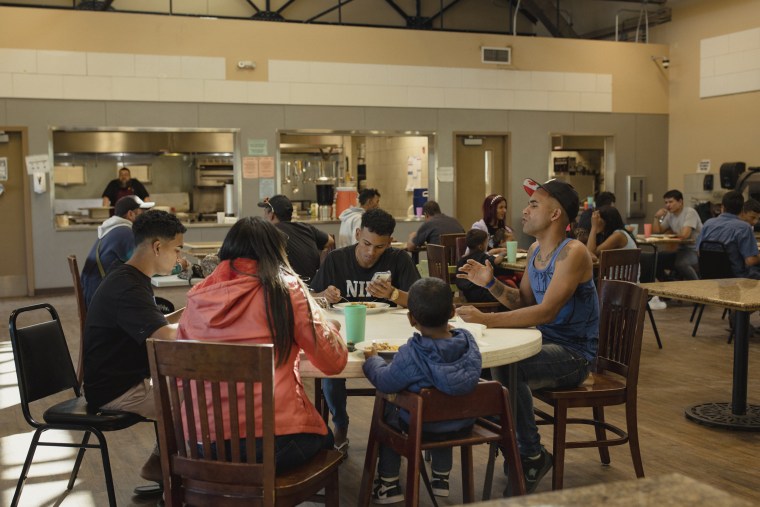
(75,411)
(596,385)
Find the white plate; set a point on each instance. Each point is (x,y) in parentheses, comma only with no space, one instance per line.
(521,255)
(386,354)
(376,307)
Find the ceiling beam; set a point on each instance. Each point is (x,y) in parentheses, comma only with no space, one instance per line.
(546,11)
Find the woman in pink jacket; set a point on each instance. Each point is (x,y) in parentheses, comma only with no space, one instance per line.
(253,296)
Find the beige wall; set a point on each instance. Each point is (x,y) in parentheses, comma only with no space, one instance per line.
(637,85)
(721,129)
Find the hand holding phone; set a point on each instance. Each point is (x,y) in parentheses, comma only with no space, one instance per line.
(384,276)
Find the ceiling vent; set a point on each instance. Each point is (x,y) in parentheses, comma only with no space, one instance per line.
(496,55)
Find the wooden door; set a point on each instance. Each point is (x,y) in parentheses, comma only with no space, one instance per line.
(16,268)
(481,169)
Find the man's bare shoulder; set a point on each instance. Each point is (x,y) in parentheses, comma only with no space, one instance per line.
(576,252)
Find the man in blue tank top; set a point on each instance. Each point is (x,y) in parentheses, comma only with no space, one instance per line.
(558,297)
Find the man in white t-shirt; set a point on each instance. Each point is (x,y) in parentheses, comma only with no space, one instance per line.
(685,223)
(351,218)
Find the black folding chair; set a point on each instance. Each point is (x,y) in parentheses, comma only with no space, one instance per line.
(44,368)
(714,263)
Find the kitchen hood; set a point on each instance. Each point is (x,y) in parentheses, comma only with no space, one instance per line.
(119,141)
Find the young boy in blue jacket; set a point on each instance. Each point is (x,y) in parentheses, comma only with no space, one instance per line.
(436,356)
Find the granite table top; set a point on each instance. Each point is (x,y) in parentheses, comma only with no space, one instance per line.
(735,293)
(671,490)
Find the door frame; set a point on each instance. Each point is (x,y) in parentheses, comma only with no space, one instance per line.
(505,156)
(27,200)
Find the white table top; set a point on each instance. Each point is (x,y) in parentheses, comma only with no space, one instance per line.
(497,346)
(171,281)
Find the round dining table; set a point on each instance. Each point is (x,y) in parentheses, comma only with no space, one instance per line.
(498,347)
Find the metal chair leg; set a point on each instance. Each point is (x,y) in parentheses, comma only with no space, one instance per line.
(654,326)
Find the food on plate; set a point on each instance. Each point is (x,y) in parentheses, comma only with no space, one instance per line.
(385,347)
(361,303)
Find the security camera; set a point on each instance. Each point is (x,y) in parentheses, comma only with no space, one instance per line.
(665,63)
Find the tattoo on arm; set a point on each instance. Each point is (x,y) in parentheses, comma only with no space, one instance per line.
(508,296)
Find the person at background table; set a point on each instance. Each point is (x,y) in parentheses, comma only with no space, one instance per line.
(583,225)
(477,243)
(122,315)
(736,236)
(122,186)
(114,245)
(351,218)
(254,296)
(494,223)
(305,243)
(436,223)
(558,296)
(684,222)
(750,212)
(608,232)
(347,274)
(447,359)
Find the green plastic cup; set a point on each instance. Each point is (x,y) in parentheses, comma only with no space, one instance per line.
(356,318)
(511,251)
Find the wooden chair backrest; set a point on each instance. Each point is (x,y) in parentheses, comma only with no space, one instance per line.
(438,266)
(461,247)
(449,241)
(180,368)
(621,326)
(81,309)
(619,264)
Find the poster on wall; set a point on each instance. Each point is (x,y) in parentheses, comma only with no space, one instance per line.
(413,173)
(3,169)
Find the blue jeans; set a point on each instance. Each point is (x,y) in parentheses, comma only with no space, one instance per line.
(334,390)
(289,450)
(553,367)
(390,461)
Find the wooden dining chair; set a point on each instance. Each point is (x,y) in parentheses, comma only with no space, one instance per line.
(619,264)
(438,263)
(449,242)
(222,477)
(613,382)
(625,264)
(430,405)
(81,310)
(461,246)
(439,268)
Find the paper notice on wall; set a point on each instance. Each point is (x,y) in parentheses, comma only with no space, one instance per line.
(704,166)
(266,189)
(250,168)
(3,169)
(413,173)
(266,167)
(37,164)
(445,174)
(257,147)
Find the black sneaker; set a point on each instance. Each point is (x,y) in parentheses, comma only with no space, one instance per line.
(535,469)
(440,483)
(387,491)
